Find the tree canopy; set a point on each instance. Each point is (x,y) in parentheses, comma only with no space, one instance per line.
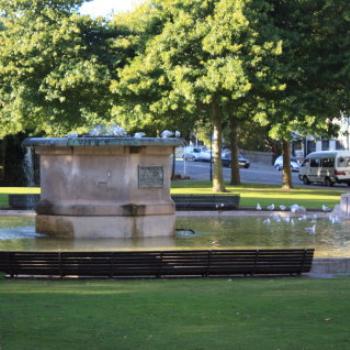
(55,67)
(176,63)
(202,59)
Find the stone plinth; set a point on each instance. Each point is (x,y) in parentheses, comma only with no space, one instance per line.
(345,204)
(105,187)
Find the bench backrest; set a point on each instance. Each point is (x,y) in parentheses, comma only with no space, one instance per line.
(157,263)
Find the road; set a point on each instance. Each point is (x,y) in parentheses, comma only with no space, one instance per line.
(257,173)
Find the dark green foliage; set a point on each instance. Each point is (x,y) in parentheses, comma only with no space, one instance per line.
(55,67)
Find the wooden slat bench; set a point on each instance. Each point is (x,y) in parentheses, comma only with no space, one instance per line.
(206,202)
(157,263)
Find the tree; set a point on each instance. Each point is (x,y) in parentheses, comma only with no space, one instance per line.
(55,67)
(195,65)
(313,69)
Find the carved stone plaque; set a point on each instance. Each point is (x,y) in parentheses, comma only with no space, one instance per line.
(151,176)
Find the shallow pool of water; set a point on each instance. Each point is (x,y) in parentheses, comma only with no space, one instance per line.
(329,239)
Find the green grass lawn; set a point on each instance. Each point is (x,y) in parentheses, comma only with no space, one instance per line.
(251,194)
(5,191)
(198,314)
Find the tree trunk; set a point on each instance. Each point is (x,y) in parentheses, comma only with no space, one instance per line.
(235,174)
(218,180)
(13,160)
(287,174)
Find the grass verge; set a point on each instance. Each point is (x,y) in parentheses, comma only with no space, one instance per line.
(198,314)
(5,191)
(251,194)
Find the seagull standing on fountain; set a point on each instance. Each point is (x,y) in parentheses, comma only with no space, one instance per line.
(166,133)
(325,208)
(271,207)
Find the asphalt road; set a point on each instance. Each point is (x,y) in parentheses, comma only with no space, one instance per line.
(256,173)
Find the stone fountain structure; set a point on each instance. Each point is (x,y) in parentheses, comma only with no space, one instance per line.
(344,207)
(105,186)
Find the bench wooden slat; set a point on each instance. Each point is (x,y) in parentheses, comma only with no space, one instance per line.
(158,263)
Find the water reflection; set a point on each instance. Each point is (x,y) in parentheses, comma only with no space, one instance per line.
(331,239)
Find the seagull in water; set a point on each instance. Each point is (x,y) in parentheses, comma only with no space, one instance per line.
(276,218)
(287,219)
(267,221)
(334,219)
(311,230)
(302,218)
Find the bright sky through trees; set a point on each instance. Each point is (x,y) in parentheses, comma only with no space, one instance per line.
(105,7)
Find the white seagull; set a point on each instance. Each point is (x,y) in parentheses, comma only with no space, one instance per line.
(311,230)
(271,207)
(325,208)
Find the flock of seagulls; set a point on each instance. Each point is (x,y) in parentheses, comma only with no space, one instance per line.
(302,216)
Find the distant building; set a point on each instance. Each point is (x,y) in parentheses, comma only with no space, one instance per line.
(302,146)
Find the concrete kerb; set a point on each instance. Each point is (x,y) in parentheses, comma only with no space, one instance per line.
(321,267)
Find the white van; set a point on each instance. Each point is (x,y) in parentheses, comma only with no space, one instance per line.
(326,167)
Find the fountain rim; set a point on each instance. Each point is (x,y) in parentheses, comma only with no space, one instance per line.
(98,141)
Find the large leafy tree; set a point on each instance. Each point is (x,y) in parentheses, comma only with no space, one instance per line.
(201,61)
(314,68)
(55,67)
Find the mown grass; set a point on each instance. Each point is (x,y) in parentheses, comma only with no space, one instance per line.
(251,194)
(5,191)
(198,314)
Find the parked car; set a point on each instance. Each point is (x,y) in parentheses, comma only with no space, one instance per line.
(326,167)
(293,164)
(242,161)
(196,154)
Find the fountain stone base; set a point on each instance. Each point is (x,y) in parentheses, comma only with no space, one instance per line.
(105,187)
(345,204)
(106,226)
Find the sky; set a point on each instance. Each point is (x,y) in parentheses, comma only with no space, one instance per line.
(105,7)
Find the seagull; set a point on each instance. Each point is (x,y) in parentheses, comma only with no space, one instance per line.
(311,230)
(258,206)
(114,130)
(166,133)
(276,218)
(295,208)
(287,219)
(267,221)
(334,219)
(325,208)
(271,207)
(302,218)
(283,207)
(139,135)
